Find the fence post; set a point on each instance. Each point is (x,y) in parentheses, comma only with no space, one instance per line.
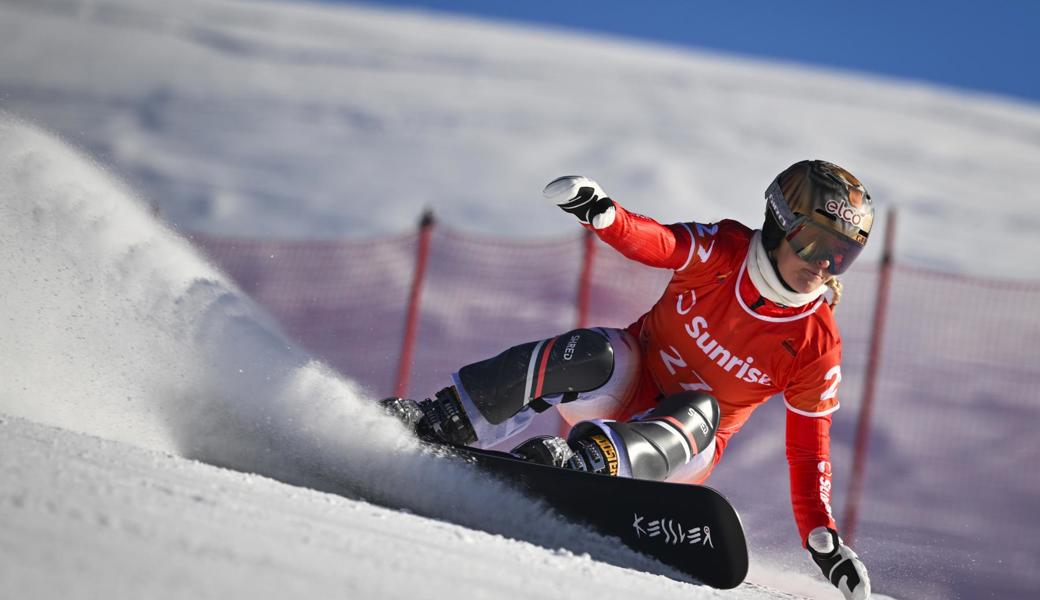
(411,328)
(585,279)
(584,298)
(866,409)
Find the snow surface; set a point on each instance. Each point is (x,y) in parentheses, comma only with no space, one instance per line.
(86,517)
(294,120)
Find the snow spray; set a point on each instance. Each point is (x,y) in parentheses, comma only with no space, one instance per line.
(113,325)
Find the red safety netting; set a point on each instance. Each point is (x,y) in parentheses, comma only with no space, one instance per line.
(343,300)
(950,488)
(480,299)
(953,451)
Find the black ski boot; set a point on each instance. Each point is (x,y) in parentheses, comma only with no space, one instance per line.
(680,427)
(440,419)
(594,453)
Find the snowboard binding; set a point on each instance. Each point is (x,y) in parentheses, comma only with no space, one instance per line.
(549,450)
(440,419)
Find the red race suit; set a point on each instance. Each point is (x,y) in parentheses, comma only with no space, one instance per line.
(712,330)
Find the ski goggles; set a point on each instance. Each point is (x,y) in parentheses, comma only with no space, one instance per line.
(813,242)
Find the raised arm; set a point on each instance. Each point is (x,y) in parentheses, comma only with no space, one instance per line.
(636,237)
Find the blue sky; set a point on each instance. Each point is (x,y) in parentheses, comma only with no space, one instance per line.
(989,46)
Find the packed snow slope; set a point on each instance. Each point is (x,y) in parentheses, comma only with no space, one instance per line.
(89,518)
(115,328)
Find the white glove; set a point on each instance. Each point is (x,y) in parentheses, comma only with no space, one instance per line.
(583,198)
(840,565)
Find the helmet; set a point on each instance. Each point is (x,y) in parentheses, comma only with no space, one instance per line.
(822,210)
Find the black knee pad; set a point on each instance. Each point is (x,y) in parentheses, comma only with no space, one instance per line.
(577,361)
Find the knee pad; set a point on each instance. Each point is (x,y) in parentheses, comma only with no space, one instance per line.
(620,394)
(499,387)
(653,447)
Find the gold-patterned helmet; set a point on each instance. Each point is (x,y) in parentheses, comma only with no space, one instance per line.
(822,210)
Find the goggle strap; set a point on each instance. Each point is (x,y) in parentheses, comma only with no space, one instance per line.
(778,204)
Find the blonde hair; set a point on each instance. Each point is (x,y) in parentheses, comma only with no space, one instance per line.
(836,287)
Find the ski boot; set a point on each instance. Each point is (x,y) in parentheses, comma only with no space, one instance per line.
(680,427)
(439,420)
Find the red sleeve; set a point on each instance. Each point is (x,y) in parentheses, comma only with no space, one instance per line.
(644,240)
(808,455)
(813,390)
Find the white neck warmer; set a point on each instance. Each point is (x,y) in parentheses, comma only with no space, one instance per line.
(768,283)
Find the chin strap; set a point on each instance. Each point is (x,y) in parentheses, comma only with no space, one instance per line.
(768,282)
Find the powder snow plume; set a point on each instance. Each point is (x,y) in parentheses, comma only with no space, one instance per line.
(114,326)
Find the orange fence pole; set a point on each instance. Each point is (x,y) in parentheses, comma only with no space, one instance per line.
(585,280)
(584,298)
(411,329)
(866,410)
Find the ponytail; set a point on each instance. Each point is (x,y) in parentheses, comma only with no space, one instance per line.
(836,287)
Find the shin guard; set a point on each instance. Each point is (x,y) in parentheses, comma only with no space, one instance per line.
(653,447)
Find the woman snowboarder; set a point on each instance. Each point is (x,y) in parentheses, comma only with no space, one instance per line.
(743,318)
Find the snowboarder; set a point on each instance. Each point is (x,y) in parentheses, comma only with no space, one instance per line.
(744,317)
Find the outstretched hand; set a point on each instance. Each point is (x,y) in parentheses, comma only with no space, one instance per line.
(840,565)
(583,198)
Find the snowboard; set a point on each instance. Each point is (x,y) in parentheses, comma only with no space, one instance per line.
(691,528)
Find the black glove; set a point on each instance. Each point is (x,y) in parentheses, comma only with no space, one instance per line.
(840,565)
(583,198)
